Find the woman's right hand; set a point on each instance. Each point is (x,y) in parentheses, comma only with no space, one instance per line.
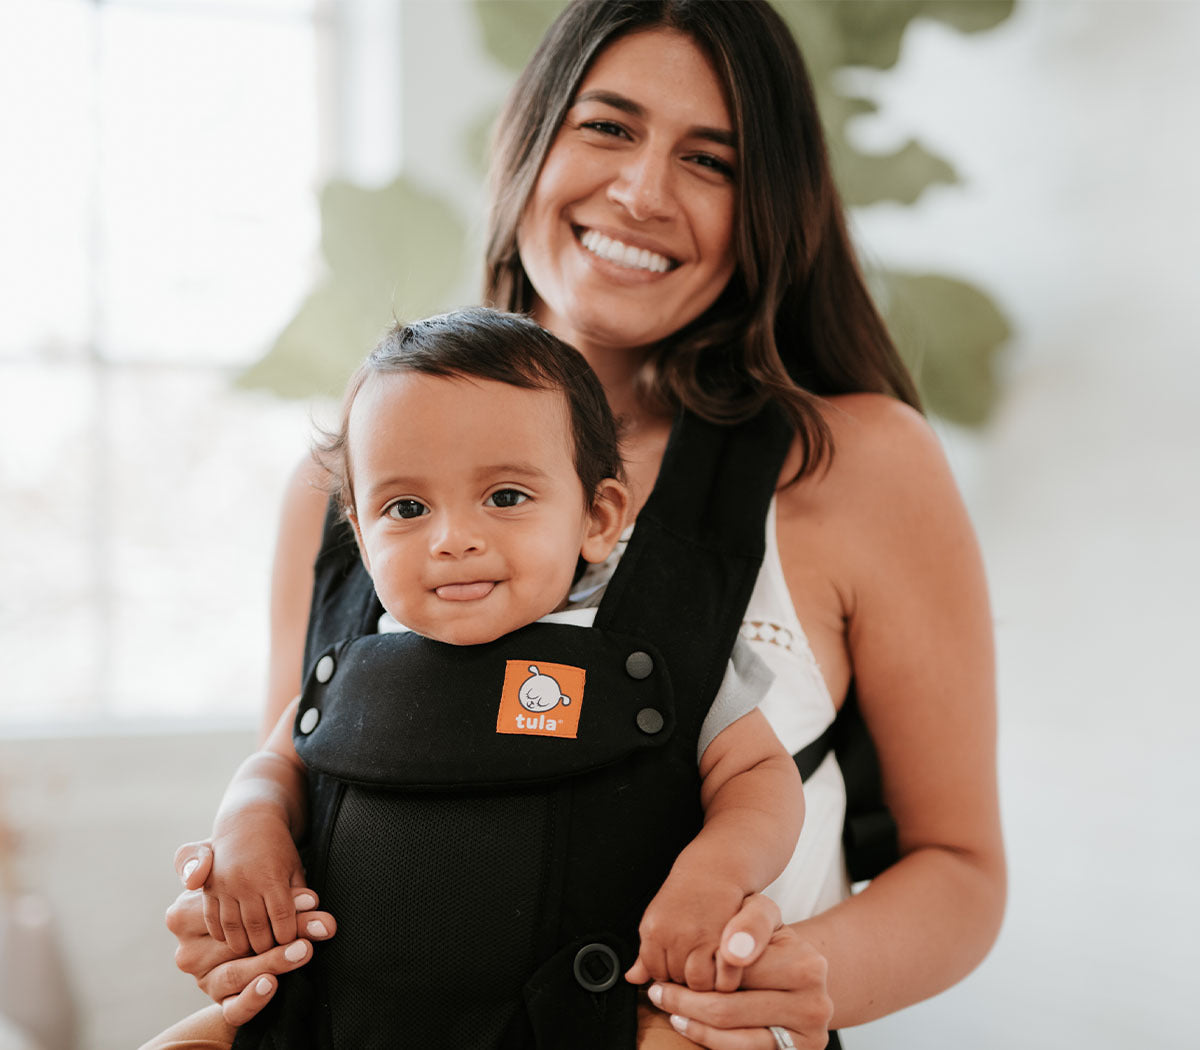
(784,985)
(243,985)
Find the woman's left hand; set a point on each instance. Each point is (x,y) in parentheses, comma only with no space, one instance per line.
(783,985)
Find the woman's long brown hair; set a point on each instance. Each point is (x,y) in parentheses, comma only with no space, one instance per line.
(796,321)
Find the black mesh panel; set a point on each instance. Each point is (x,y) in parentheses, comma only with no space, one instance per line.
(435,916)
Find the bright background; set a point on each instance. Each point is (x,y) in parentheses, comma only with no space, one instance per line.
(161,163)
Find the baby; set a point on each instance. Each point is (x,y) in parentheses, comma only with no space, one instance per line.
(477,462)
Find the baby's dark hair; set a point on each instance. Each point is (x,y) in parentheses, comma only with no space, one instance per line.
(480,343)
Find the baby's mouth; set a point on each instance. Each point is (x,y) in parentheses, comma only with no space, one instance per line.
(624,255)
(465,592)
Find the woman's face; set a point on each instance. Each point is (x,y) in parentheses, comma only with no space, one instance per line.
(628,234)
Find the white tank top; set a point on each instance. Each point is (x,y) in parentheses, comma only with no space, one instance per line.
(799,708)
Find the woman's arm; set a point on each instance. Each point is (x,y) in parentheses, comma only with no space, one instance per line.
(918,633)
(884,568)
(301,523)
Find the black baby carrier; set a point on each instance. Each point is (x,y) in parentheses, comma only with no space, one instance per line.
(491,821)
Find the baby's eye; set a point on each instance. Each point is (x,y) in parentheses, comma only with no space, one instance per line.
(506,498)
(406,508)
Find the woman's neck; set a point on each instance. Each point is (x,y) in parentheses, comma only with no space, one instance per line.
(644,428)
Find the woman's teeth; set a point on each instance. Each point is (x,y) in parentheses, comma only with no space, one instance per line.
(624,254)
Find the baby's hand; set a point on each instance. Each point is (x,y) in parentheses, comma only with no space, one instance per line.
(248,898)
(684,932)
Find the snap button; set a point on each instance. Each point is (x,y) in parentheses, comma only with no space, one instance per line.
(325,667)
(639,665)
(309,720)
(596,967)
(649,721)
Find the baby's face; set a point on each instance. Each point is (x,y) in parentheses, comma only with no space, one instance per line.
(469,511)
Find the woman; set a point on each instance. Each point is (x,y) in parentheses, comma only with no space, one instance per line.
(662,201)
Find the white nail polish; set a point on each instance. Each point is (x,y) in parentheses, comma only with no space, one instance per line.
(295,952)
(317,928)
(190,866)
(655,993)
(679,1024)
(741,944)
(263,986)
(304,901)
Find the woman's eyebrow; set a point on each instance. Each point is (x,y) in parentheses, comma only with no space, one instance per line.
(719,136)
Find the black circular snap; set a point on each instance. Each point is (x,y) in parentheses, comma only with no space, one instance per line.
(639,665)
(649,721)
(596,967)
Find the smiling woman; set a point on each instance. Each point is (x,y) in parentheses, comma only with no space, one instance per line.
(629,232)
(663,199)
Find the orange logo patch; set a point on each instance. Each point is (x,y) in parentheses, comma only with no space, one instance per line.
(541,698)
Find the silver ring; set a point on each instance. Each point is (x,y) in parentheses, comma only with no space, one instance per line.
(783,1038)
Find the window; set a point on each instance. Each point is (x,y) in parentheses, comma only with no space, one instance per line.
(161,162)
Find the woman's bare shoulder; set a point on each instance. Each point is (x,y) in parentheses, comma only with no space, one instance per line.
(883,450)
(885,506)
(875,432)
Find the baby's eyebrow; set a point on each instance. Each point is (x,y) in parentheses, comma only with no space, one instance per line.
(527,471)
(396,481)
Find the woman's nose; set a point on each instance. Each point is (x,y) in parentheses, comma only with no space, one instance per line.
(643,186)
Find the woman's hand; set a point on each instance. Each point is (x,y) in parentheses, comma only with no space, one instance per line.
(242,985)
(783,985)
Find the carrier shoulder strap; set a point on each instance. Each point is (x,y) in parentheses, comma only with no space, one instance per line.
(686,577)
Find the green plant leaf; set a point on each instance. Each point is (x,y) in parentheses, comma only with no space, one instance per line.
(950,334)
(901,176)
(512,28)
(393,253)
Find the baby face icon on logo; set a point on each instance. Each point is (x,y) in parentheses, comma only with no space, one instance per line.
(541,698)
(540,692)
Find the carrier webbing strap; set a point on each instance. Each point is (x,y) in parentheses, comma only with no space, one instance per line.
(869,835)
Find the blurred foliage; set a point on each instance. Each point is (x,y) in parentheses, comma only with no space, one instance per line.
(390,253)
(951,335)
(398,251)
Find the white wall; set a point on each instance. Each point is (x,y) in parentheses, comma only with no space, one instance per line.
(1074,123)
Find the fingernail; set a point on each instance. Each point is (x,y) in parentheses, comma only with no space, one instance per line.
(679,1024)
(304,901)
(741,944)
(263,986)
(317,928)
(295,952)
(655,994)
(190,866)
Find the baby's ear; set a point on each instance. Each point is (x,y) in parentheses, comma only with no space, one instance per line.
(606,519)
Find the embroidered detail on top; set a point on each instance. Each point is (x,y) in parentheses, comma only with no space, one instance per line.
(771,633)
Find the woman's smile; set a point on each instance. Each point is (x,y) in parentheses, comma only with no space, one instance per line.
(623,254)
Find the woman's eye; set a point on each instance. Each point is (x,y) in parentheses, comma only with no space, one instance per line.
(707,160)
(604,127)
(406,508)
(506,498)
